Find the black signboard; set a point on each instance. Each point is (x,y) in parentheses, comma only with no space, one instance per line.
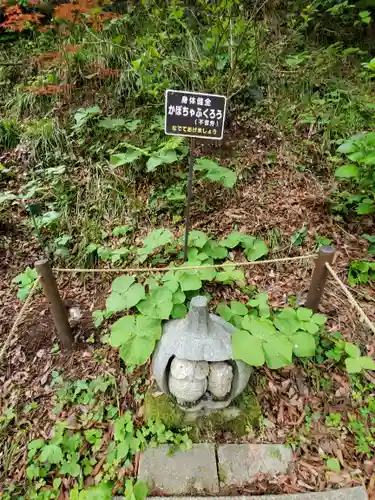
(193,114)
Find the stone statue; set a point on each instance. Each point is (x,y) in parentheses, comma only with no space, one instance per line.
(193,360)
(188,380)
(220,379)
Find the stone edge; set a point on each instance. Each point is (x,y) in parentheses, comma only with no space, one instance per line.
(356,492)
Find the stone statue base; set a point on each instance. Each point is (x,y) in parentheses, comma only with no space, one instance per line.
(240,418)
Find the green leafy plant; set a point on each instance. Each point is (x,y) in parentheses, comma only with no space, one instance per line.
(214,172)
(333,419)
(125,294)
(357,176)
(136,337)
(157,239)
(361,272)
(137,491)
(298,237)
(333,464)
(254,248)
(274,342)
(84,116)
(25,282)
(371,240)
(168,152)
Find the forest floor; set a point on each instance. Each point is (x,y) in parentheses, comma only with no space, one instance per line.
(274,200)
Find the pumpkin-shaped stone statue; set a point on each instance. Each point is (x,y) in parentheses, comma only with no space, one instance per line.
(200,336)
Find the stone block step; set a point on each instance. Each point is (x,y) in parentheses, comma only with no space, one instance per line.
(183,473)
(355,493)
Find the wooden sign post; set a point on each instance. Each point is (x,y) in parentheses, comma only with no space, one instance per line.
(195,115)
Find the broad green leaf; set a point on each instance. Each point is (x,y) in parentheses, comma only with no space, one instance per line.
(214,250)
(303,345)
(115,302)
(189,281)
(215,172)
(333,464)
(202,273)
(353,365)
(232,240)
(122,283)
(319,319)
(224,311)
(158,238)
(309,326)
(119,159)
(122,450)
(369,159)
(132,125)
(278,353)
(92,436)
(137,350)
(259,327)
(158,304)
(304,314)
(179,311)
(237,321)
(148,327)
(32,471)
(366,208)
(140,490)
(122,330)
(172,285)
(347,147)
(248,241)
(367,363)
(197,239)
(261,301)
(230,274)
(52,454)
(160,158)
(111,123)
(352,350)
(98,318)
(238,308)
(347,171)
(36,444)
(257,251)
(71,468)
(247,348)
(178,297)
(286,321)
(135,294)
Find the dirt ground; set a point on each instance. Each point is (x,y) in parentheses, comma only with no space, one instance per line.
(269,197)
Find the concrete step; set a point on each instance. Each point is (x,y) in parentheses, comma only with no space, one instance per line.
(355,493)
(208,470)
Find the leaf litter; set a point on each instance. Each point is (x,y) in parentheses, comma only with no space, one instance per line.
(268,198)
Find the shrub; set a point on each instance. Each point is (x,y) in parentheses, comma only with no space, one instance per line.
(357,177)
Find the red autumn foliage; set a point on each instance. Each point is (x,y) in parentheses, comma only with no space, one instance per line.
(16,20)
(102,71)
(50,89)
(87,10)
(73,12)
(54,58)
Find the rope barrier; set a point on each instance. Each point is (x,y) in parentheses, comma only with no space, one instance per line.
(183,268)
(363,316)
(18,319)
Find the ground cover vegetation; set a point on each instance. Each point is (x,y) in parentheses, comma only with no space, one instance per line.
(89,179)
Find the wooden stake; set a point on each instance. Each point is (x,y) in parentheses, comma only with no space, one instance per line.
(56,305)
(319,277)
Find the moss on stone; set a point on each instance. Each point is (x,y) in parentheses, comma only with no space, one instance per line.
(240,418)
